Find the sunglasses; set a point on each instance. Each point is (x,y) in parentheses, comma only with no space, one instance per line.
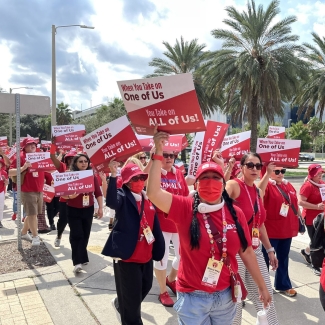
(137,178)
(278,171)
(143,157)
(169,155)
(82,161)
(250,165)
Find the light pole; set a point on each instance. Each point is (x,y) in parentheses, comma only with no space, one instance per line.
(53,109)
(10,115)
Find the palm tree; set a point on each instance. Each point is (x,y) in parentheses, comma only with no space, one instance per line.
(299,131)
(312,90)
(186,57)
(257,67)
(63,114)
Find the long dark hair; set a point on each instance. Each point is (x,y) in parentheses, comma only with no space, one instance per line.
(195,232)
(73,165)
(249,154)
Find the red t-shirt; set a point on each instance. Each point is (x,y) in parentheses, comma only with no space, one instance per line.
(77,202)
(33,182)
(193,262)
(48,178)
(143,251)
(175,184)
(311,192)
(2,182)
(277,226)
(244,203)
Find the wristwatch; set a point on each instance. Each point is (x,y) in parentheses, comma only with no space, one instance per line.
(156,157)
(271,249)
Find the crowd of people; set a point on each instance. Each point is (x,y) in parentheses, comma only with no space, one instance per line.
(237,223)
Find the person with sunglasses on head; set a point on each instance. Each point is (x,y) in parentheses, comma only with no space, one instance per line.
(250,199)
(61,166)
(135,241)
(281,205)
(172,180)
(211,231)
(311,202)
(142,156)
(80,211)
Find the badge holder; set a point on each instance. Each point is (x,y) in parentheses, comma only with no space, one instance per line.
(85,200)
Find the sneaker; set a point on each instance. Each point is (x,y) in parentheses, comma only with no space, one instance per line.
(36,241)
(114,303)
(171,285)
(305,256)
(77,268)
(166,300)
(86,263)
(1,225)
(57,242)
(27,237)
(53,227)
(317,271)
(14,216)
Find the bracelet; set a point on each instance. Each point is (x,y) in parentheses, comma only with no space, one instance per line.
(270,250)
(156,157)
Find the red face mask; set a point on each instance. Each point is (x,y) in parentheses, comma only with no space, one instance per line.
(210,189)
(136,187)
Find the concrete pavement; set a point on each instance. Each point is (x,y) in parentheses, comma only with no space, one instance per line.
(64,298)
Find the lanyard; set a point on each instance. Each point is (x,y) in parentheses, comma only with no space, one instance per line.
(224,235)
(255,224)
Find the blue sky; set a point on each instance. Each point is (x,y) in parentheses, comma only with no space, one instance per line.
(127,35)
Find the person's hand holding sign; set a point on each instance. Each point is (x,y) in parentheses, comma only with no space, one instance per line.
(160,138)
(113,165)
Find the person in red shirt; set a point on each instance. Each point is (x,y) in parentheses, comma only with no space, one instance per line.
(4,181)
(134,242)
(31,191)
(80,211)
(249,199)
(281,205)
(204,223)
(172,181)
(311,202)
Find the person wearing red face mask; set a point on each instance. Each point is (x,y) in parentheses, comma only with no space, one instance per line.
(211,232)
(134,242)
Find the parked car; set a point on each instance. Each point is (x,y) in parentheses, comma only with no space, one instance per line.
(306,157)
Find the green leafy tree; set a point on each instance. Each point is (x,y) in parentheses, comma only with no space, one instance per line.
(312,92)
(257,67)
(186,57)
(299,131)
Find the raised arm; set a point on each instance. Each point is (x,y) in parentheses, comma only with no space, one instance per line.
(55,160)
(156,195)
(113,200)
(265,179)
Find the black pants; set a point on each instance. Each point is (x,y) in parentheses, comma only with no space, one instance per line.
(310,231)
(63,220)
(80,221)
(322,296)
(52,209)
(133,282)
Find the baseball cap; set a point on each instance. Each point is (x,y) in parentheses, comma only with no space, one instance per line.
(28,141)
(209,167)
(131,170)
(314,169)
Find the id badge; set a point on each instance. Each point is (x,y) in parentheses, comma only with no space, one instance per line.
(212,273)
(149,235)
(255,237)
(85,200)
(238,293)
(35,174)
(284,210)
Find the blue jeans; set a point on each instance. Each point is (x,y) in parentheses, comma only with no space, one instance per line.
(282,248)
(14,202)
(202,308)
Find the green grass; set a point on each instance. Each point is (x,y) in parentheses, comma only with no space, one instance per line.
(297,174)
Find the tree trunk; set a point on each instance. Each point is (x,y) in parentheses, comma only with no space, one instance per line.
(254,121)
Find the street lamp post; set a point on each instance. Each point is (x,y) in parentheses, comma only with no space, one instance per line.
(10,115)
(53,109)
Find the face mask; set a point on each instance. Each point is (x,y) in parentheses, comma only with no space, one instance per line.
(210,189)
(136,187)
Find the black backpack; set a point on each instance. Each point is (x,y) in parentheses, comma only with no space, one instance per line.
(317,244)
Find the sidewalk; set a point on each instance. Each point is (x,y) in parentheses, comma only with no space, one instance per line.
(54,295)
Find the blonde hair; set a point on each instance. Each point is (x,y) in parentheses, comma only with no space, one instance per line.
(135,161)
(137,155)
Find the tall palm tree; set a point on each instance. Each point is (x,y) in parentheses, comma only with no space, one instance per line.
(312,90)
(257,63)
(186,57)
(63,114)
